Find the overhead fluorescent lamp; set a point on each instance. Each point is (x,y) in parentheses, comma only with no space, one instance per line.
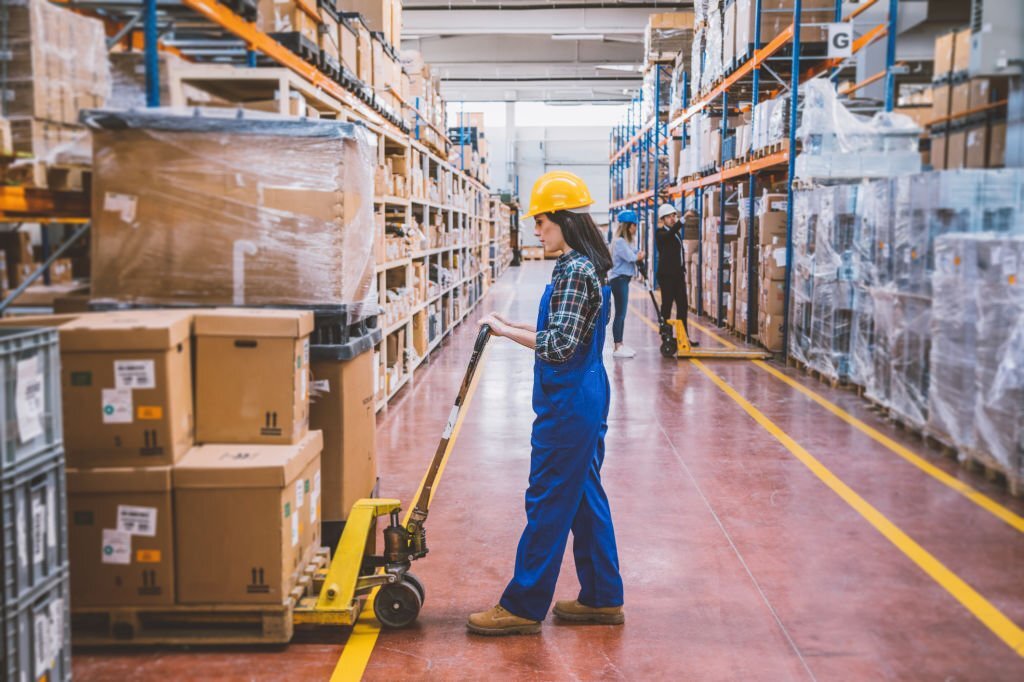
(577,36)
(629,68)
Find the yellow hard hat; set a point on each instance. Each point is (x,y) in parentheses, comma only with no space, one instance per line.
(558,191)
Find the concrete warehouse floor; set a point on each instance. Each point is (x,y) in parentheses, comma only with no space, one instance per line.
(764,532)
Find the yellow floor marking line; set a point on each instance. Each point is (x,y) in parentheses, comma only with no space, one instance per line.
(1008,516)
(355,656)
(981,608)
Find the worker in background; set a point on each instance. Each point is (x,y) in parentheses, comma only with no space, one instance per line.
(570,400)
(671,273)
(625,256)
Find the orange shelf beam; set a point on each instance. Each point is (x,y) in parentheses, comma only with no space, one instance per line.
(260,41)
(631,199)
(777,159)
(28,203)
(965,114)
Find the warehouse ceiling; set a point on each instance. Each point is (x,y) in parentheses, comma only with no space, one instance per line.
(530,50)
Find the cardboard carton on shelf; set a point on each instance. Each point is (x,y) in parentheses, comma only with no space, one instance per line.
(121,536)
(956,149)
(345,411)
(252,375)
(960,99)
(943,55)
(126,382)
(348,45)
(938,150)
(770,331)
(997,145)
(941,101)
(246,520)
(288,16)
(962,50)
(976,146)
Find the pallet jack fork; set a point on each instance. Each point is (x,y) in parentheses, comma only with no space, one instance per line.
(355,570)
(675,343)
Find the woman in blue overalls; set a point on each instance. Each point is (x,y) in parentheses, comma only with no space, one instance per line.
(570,399)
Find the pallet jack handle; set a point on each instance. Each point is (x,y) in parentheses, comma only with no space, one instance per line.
(422,506)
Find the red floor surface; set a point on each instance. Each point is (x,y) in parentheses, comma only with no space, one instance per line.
(739,562)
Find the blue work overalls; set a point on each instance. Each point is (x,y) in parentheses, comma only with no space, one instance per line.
(571,402)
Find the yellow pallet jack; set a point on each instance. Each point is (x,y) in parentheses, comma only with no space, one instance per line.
(355,570)
(675,343)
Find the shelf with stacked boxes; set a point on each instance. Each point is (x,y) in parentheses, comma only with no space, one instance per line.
(721,123)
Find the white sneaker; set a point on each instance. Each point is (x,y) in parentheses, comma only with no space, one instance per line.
(624,352)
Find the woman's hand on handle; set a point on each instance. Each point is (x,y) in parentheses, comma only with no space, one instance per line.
(498,326)
(639,256)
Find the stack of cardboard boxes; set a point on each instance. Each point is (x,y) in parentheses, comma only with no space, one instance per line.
(966,130)
(57,65)
(189,487)
(771,223)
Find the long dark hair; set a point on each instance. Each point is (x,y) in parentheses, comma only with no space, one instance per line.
(580,232)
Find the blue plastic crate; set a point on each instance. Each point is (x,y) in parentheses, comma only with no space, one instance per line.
(30,368)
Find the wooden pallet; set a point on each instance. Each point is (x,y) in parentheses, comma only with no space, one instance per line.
(977,460)
(202,625)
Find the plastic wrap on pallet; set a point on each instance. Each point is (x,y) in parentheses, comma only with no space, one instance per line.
(951,391)
(700,11)
(805,217)
(213,208)
(57,62)
(713,68)
(999,339)
(838,144)
(908,339)
(697,59)
(778,120)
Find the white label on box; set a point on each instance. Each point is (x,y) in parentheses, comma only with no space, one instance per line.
(122,204)
(299,494)
(134,374)
(117,406)
(136,520)
(51,517)
(56,628)
(304,369)
(453,416)
(295,529)
(1009,263)
(239,250)
(314,498)
(41,646)
(29,399)
(19,522)
(38,531)
(117,547)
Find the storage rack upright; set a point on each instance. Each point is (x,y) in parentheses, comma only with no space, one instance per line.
(640,143)
(232,46)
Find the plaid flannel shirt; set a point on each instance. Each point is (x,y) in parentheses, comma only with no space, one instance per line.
(575,304)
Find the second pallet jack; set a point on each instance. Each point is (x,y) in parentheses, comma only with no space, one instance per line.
(356,569)
(675,343)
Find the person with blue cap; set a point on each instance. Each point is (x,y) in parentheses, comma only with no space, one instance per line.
(625,256)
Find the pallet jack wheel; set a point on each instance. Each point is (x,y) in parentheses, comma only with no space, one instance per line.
(415,582)
(397,605)
(668,348)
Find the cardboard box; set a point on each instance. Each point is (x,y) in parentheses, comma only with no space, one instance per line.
(121,536)
(956,149)
(941,101)
(943,55)
(246,520)
(773,264)
(288,16)
(328,32)
(771,332)
(986,91)
(938,151)
(773,297)
(769,226)
(976,147)
(126,382)
(252,375)
(378,15)
(348,45)
(364,45)
(420,338)
(997,145)
(346,414)
(962,50)
(60,271)
(960,99)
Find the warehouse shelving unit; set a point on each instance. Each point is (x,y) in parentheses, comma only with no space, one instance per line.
(222,48)
(640,143)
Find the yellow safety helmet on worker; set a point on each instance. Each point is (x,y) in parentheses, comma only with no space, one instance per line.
(558,191)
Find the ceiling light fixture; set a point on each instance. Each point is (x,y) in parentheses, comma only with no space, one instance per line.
(577,36)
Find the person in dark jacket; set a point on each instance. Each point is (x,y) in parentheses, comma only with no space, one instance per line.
(671,274)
